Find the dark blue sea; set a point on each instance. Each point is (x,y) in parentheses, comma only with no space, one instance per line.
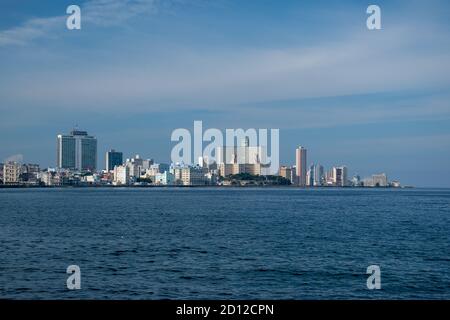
(224,243)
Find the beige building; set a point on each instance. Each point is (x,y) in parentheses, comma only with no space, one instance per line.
(11,172)
(241,159)
(286,172)
(192,176)
(226,169)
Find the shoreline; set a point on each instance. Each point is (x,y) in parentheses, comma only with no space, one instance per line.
(203,186)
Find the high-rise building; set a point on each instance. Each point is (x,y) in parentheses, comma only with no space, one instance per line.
(76,151)
(113,158)
(318,177)
(300,165)
(340,176)
(310,176)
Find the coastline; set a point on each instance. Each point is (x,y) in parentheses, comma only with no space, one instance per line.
(205,186)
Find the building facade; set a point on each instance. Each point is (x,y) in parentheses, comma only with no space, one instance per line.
(340,176)
(121,175)
(113,158)
(241,159)
(76,151)
(11,172)
(300,165)
(379,180)
(286,172)
(193,176)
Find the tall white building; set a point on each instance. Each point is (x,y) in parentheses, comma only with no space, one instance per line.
(121,175)
(318,177)
(76,151)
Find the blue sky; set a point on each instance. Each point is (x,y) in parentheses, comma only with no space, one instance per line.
(376,101)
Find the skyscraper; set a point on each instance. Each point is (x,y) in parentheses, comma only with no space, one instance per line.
(318,179)
(300,164)
(76,151)
(340,176)
(113,158)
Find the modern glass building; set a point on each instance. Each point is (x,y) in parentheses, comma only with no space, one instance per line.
(76,151)
(113,158)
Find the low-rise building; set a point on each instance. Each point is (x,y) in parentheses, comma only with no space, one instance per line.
(286,172)
(193,176)
(166,178)
(380,180)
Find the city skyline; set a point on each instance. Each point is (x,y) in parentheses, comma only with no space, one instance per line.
(243,164)
(377,101)
(76,156)
(300,157)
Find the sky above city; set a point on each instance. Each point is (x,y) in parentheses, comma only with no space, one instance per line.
(375,101)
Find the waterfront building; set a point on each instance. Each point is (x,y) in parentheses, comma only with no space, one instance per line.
(138,166)
(318,176)
(157,168)
(286,172)
(356,181)
(1,173)
(122,175)
(340,176)
(226,169)
(193,176)
(241,159)
(310,176)
(76,151)
(300,165)
(166,178)
(113,158)
(11,172)
(379,180)
(29,173)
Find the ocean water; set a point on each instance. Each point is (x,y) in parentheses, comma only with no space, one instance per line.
(224,243)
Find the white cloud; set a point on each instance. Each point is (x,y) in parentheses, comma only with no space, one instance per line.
(96,12)
(30,30)
(216,79)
